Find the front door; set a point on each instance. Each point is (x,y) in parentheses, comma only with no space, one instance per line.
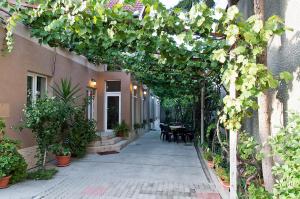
(113,111)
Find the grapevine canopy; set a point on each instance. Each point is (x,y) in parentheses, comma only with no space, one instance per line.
(174,52)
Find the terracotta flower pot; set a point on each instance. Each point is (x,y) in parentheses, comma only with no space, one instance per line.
(4,182)
(210,164)
(63,161)
(224,184)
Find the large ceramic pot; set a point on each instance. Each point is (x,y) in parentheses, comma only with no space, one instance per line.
(63,161)
(4,182)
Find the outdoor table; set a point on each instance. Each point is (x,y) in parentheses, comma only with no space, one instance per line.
(175,127)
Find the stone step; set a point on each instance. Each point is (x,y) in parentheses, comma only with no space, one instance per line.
(106,142)
(114,147)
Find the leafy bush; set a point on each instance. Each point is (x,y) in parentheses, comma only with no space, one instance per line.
(59,120)
(121,129)
(44,118)
(286,146)
(2,127)
(137,126)
(249,157)
(42,174)
(82,132)
(11,161)
(257,192)
(60,150)
(217,160)
(223,173)
(207,154)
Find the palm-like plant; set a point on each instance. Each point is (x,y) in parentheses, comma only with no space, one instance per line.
(65,91)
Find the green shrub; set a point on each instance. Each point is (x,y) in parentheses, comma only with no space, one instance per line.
(217,160)
(60,150)
(121,129)
(42,174)
(82,132)
(44,118)
(286,146)
(257,192)
(11,161)
(223,173)
(207,154)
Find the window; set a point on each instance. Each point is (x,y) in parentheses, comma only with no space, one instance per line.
(92,104)
(113,86)
(36,87)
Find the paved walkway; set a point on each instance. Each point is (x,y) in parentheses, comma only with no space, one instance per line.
(146,169)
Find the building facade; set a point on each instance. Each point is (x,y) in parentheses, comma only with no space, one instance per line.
(31,69)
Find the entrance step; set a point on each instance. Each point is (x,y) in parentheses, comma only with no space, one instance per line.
(107,143)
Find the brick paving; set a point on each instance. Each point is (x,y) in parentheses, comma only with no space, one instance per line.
(147,169)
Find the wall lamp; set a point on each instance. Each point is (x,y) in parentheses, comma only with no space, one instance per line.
(93,82)
(145,92)
(135,87)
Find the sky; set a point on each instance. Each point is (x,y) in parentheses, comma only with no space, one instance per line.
(171,3)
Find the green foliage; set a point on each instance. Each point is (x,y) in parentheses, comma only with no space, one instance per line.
(65,91)
(285,145)
(11,161)
(217,160)
(121,129)
(42,174)
(249,167)
(137,126)
(257,192)
(59,150)
(286,76)
(44,118)
(2,126)
(207,154)
(172,52)
(82,132)
(223,173)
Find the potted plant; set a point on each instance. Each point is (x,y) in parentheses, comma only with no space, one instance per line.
(136,127)
(63,154)
(12,164)
(224,177)
(121,130)
(208,156)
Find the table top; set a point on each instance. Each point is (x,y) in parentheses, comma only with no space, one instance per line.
(176,127)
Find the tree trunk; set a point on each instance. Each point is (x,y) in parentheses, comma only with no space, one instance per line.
(264,113)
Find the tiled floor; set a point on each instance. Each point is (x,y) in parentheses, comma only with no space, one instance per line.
(147,168)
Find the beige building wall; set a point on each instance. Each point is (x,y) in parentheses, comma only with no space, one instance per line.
(30,57)
(283,55)
(125,95)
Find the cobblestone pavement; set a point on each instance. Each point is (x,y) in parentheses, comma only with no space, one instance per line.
(146,169)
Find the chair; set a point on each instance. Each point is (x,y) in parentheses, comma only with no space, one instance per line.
(162,131)
(169,133)
(189,135)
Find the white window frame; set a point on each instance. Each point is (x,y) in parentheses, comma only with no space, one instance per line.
(93,105)
(34,85)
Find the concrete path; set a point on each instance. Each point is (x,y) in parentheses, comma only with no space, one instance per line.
(147,169)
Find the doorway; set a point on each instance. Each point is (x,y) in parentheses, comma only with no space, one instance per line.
(112,110)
